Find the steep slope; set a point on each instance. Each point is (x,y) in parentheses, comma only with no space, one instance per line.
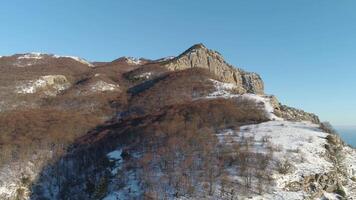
(185,127)
(201,57)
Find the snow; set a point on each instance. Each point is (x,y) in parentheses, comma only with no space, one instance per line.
(223,90)
(350,164)
(145,75)
(11,175)
(133,61)
(304,136)
(56,83)
(39,56)
(265,101)
(115,155)
(103,86)
(132,188)
(32,55)
(81,60)
(302,143)
(329,196)
(165,59)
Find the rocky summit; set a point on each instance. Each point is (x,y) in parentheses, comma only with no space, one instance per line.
(201,57)
(185,127)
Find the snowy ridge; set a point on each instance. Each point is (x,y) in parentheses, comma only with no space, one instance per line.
(81,60)
(168,58)
(32,55)
(224,90)
(132,60)
(39,56)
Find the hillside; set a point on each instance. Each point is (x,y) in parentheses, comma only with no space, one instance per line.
(185,127)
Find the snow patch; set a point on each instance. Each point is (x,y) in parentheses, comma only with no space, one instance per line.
(133,61)
(39,56)
(350,164)
(129,191)
(81,60)
(301,143)
(53,84)
(116,158)
(146,75)
(103,86)
(32,55)
(223,90)
(168,58)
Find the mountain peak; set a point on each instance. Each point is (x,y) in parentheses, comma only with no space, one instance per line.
(194,48)
(198,46)
(201,57)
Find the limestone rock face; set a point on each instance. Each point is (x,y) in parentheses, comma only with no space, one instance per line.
(199,56)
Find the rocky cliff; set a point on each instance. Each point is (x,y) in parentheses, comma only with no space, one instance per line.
(202,57)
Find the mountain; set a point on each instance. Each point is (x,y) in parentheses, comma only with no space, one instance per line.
(201,57)
(185,127)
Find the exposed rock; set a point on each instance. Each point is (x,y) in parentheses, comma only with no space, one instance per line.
(104,86)
(292,114)
(199,56)
(51,85)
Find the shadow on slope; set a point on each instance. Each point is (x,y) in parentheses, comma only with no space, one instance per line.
(85,172)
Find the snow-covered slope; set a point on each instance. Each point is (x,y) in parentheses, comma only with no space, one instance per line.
(226,90)
(50,85)
(302,144)
(29,59)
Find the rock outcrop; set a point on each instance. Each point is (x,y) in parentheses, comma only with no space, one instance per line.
(292,114)
(51,85)
(199,56)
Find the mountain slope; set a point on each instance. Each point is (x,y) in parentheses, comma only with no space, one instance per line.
(188,127)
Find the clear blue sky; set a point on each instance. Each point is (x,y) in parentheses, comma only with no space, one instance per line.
(304,50)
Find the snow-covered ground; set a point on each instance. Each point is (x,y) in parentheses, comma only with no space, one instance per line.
(350,163)
(132,189)
(302,144)
(102,86)
(165,59)
(81,60)
(224,90)
(145,75)
(29,59)
(51,84)
(133,61)
(33,55)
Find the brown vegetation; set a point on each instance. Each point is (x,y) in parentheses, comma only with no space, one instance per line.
(25,132)
(173,88)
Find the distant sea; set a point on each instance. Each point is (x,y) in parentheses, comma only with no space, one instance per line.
(348,134)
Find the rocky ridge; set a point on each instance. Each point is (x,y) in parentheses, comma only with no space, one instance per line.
(201,57)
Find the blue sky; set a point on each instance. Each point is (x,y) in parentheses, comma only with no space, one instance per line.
(304,50)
